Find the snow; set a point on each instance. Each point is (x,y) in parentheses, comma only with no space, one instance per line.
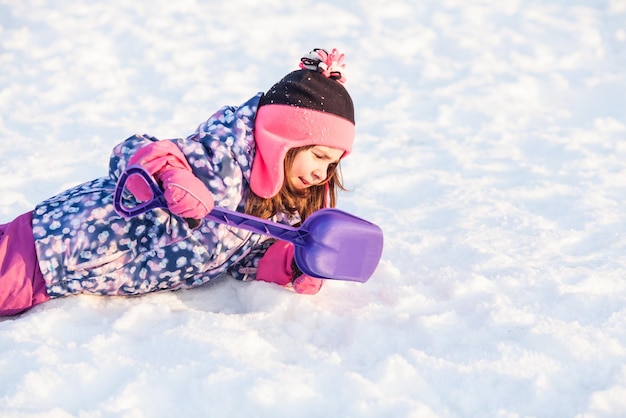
(490,149)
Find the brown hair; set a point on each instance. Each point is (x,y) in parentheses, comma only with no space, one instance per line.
(290,200)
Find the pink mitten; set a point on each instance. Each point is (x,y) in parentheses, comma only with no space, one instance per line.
(154,158)
(277,266)
(307,285)
(186,194)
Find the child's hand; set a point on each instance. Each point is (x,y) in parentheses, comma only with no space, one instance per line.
(307,285)
(277,266)
(186,195)
(155,158)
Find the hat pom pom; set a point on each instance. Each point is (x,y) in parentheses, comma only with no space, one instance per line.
(330,65)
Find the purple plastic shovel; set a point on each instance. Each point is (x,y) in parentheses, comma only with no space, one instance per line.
(329,244)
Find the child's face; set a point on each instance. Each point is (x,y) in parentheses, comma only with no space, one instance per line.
(310,166)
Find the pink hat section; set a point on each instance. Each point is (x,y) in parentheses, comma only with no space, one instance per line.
(278,128)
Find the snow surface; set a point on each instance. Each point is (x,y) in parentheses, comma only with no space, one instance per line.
(490,149)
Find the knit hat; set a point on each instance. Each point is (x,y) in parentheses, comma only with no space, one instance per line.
(309,106)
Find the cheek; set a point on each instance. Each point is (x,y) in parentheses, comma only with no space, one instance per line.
(301,164)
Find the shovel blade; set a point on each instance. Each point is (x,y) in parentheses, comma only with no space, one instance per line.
(339,246)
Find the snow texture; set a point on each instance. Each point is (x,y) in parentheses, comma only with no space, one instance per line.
(491,149)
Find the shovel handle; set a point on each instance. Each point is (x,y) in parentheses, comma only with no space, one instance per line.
(223,216)
(330,243)
(157,201)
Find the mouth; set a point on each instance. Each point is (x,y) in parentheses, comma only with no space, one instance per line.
(304,182)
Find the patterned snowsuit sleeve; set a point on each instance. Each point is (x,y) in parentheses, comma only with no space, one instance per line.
(124,150)
(246,268)
(84,246)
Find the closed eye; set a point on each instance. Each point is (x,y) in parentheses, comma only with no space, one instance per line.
(325,157)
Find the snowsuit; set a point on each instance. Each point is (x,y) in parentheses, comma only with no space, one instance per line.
(21,282)
(79,244)
(84,246)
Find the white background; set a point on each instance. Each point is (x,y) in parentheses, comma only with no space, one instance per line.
(490,149)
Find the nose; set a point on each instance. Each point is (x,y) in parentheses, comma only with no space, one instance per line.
(319,173)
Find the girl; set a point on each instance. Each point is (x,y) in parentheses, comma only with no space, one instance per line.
(275,157)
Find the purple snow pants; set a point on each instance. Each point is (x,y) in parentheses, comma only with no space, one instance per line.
(21,283)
